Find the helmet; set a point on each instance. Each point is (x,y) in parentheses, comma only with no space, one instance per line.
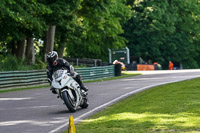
(51,57)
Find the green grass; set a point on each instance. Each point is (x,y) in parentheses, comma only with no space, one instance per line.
(124,75)
(169,108)
(25,88)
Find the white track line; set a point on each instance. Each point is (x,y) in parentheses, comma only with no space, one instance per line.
(113,101)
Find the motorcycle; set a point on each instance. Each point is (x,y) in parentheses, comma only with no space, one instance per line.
(69,90)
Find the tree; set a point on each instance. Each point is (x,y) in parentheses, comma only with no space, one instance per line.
(60,10)
(30,51)
(18,20)
(68,33)
(101,20)
(163,31)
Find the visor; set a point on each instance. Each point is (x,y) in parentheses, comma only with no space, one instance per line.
(50,61)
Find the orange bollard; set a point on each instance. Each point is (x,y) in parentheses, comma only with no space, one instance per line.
(71,128)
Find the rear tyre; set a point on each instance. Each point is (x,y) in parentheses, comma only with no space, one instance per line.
(68,102)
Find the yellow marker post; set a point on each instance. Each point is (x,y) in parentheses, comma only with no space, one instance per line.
(71,128)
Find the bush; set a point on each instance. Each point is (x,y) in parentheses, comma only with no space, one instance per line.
(12,63)
(9,63)
(39,64)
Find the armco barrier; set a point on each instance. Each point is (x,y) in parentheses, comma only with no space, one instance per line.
(13,79)
(91,73)
(16,79)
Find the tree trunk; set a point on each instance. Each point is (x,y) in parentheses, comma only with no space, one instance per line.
(49,40)
(43,52)
(30,51)
(20,50)
(61,49)
(61,46)
(11,47)
(169,1)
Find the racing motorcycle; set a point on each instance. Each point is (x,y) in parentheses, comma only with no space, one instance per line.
(69,90)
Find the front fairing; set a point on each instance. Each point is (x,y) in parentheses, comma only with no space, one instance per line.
(62,80)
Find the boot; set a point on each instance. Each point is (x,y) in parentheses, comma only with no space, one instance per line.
(78,80)
(84,93)
(84,88)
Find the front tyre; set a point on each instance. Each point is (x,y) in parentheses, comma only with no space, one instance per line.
(68,102)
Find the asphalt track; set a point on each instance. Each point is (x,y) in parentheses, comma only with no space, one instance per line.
(39,111)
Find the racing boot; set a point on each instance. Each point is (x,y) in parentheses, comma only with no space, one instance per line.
(84,88)
(78,80)
(84,93)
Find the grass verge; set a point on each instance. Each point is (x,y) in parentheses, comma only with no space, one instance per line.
(25,88)
(168,108)
(124,75)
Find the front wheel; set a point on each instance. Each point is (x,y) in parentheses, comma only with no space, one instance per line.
(71,105)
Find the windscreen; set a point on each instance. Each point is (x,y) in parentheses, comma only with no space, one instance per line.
(58,74)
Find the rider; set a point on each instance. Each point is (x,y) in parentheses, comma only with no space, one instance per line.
(55,63)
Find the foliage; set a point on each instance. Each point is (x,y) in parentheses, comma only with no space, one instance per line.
(21,18)
(165,30)
(101,20)
(12,63)
(156,31)
(9,63)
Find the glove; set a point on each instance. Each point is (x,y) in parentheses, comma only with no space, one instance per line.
(72,72)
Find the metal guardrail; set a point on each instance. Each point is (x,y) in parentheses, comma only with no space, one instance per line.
(16,79)
(13,79)
(91,73)
(86,62)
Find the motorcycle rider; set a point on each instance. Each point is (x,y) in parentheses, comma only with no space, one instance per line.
(55,63)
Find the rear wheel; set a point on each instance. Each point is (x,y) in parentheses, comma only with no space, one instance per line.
(70,103)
